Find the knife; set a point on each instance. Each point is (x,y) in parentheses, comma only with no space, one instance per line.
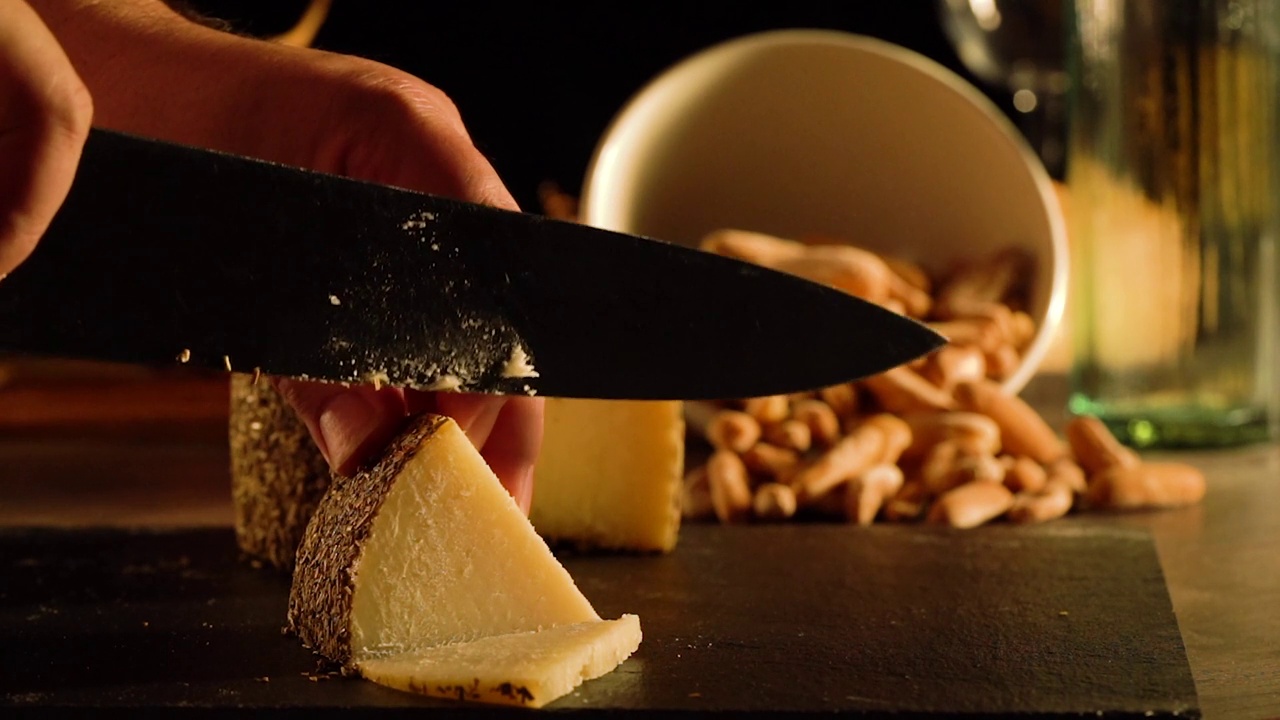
(165,254)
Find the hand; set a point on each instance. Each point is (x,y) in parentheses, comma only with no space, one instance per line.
(155,73)
(45,113)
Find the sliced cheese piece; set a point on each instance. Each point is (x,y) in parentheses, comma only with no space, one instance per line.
(529,669)
(425,548)
(609,474)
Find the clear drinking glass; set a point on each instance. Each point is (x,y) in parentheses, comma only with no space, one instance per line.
(1018,47)
(1172,216)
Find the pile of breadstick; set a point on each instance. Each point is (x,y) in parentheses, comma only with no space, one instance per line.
(938,440)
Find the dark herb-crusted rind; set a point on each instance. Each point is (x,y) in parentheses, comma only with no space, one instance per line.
(277,474)
(324,574)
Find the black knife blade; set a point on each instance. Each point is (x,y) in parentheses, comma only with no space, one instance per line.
(166,254)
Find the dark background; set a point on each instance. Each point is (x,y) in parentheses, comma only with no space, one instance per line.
(537,83)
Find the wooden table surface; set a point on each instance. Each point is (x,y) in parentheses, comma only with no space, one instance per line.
(1221,558)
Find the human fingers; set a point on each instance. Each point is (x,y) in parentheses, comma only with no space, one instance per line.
(45,114)
(508,432)
(431,150)
(514,447)
(398,130)
(169,78)
(348,425)
(158,74)
(475,414)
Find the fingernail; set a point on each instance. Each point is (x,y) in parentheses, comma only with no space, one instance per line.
(524,492)
(346,423)
(478,426)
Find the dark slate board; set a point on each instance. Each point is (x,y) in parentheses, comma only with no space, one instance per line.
(765,621)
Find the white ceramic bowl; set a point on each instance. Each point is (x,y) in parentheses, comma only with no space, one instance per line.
(795,132)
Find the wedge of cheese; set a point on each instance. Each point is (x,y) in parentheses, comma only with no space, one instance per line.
(425,551)
(528,669)
(609,474)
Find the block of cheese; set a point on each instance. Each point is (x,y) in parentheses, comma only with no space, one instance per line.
(609,474)
(277,474)
(528,669)
(425,549)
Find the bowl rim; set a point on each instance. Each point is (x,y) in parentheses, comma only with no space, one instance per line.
(605,154)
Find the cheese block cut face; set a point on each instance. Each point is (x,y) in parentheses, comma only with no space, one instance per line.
(528,669)
(421,572)
(609,474)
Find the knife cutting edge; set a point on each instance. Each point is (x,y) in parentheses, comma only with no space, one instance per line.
(166,254)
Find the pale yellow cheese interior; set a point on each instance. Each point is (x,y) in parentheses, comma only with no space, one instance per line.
(451,558)
(529,669)
(609,473)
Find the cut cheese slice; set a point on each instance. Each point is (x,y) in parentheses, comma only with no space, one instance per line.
(609,474)
(422,550)
(529,669)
